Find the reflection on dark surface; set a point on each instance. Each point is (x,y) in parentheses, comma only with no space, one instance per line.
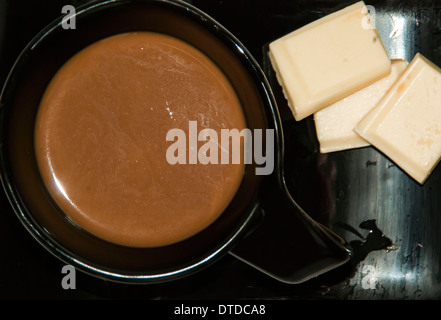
(375,240)
(354,188)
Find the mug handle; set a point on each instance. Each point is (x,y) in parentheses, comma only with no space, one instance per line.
(288,245)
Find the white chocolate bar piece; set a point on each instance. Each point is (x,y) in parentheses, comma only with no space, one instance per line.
(406,124)
(328,59)
(335,124)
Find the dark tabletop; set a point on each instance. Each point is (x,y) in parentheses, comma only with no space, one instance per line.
(391,223)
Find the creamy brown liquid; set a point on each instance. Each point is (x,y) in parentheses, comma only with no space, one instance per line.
(101,139)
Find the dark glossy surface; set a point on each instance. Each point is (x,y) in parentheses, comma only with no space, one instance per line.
(351,192)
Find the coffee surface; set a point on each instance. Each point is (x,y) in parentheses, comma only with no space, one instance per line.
(100,139)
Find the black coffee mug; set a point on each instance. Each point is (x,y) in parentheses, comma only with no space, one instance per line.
(262,225)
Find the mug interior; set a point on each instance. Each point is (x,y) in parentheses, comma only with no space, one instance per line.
(21,178)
